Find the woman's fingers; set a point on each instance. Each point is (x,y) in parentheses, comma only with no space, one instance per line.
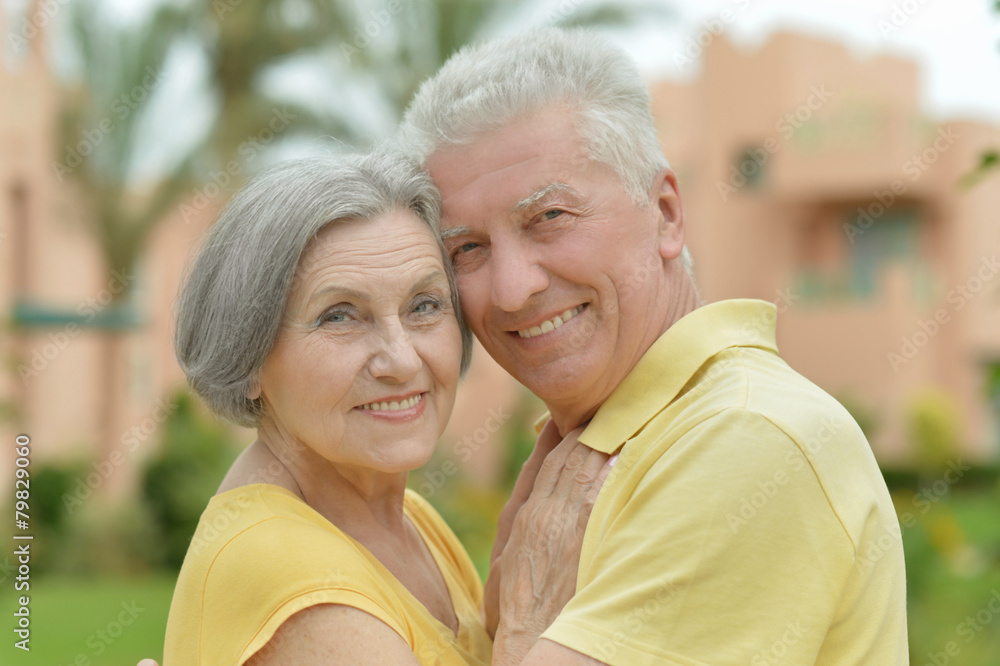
(548,439)
(566,458)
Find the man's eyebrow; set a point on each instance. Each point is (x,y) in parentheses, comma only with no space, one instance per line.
(455,231)
(537,196)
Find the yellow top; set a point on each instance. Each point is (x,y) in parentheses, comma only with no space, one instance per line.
(745,521)
(260,554)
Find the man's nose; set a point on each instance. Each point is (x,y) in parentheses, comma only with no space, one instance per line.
(516,275)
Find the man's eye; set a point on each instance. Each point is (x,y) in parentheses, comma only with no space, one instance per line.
(467,247)
(552,214)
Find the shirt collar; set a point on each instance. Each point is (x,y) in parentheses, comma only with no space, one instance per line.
(672,360)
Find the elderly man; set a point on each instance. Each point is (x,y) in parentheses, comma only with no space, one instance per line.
(746,520)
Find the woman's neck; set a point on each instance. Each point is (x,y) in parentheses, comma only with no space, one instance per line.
(357,500)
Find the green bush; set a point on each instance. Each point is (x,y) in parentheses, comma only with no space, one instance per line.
(196,452)
(935,427)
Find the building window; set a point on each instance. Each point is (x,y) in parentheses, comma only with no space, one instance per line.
(892,239)
(845,256)
(751,165)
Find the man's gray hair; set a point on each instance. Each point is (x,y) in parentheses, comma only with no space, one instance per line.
(231,305)
(489,85)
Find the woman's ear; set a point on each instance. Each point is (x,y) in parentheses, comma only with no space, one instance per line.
(253,389)
(670,213)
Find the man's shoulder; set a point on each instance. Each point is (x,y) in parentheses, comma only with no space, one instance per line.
(746,380)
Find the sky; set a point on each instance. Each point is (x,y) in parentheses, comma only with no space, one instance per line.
(956,42)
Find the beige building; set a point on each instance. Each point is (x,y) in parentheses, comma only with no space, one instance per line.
(810,179)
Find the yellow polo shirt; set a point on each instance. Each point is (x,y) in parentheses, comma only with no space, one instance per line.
(260,555)
(745,521)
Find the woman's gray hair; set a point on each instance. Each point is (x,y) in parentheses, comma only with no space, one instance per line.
(231,305)
(489,85)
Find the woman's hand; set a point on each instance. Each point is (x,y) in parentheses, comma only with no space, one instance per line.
(538,565)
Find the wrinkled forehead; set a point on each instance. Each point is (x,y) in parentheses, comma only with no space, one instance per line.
(378,243)
(504,166)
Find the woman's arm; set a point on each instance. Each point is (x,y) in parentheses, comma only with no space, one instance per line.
(334,634)
(330,634)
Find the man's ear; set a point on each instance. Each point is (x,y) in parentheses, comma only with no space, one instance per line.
(670,215)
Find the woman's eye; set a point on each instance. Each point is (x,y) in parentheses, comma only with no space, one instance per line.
(337,317)
(427,305)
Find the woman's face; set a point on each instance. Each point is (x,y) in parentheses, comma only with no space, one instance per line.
(365,366)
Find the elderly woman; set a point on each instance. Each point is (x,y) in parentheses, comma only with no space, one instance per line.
(322,313)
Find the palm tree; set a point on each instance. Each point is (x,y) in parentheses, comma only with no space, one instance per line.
(103,126)
(391,46)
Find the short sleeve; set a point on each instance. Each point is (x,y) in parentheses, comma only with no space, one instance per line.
(726,551)
(276,568)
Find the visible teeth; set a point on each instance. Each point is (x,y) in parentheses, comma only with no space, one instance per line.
(393,406)
(550,325)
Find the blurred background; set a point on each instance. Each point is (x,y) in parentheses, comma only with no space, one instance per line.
(836,158)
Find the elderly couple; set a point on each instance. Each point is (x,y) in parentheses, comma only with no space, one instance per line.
(332,308)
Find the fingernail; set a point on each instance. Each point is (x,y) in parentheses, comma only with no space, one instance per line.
(612,460)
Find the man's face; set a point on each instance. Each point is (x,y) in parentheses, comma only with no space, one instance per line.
(562,277)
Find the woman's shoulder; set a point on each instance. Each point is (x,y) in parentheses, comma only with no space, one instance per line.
(250,525)
(260,555)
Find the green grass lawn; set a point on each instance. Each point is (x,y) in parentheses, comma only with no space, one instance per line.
(953,575)
(952,559)
(100,622)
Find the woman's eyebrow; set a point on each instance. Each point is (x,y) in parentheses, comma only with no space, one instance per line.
(433,279)
(340,291)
